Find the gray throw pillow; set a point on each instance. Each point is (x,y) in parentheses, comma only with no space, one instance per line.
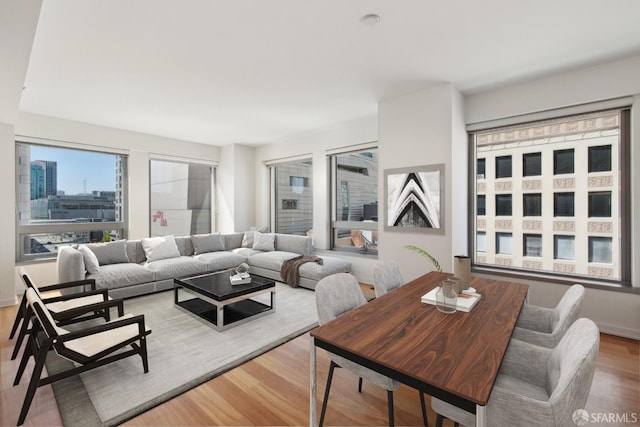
(91,263)
(110,252)
(156,248)
(264,241)
(247,240)
(203,243)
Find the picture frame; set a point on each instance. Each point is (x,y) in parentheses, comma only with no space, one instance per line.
(414,199)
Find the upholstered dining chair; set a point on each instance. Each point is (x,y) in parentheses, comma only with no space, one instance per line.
(89,348)
(546,326)
(65,309)
(537,386)
(336,295)
(386,276)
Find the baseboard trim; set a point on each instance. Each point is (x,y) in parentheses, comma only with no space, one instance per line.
(8,302)
(619,331)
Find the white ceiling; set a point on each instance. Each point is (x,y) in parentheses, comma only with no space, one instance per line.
(253,71)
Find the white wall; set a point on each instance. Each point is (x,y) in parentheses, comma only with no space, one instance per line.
(614,312)
(235,201)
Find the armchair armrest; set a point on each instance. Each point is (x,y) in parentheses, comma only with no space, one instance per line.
(508,408)
(67,297)
(543,339)
(115,324)
(64,285)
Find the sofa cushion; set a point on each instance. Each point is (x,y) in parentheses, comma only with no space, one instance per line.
(157,248)
(302,245)
(221,260)
(185,245)
(264,241)
(247,239)
(170,268)
(245,252)
(203,243)
(90,260)
(270,260)
(330,265)
(110,252)
(232,240)
(121,275)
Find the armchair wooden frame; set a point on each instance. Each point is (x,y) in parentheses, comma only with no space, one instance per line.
(92,310)
(53,339)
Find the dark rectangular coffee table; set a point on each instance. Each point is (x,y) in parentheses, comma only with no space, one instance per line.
(222,304)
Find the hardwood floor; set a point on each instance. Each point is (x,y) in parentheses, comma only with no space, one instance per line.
(272,389)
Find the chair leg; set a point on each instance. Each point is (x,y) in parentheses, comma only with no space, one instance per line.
(423,405)
(28,352)
(33,384)
(23,332)
(439,420)
(143,353)
(326,392)
(390,404)
(19,316)
(359,385)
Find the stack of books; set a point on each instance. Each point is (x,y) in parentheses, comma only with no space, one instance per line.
(240,278)
(465,301)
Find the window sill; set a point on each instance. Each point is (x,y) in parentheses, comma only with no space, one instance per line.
(354,254)
(557,279)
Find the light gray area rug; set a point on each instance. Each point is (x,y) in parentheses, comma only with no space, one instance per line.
(183,353)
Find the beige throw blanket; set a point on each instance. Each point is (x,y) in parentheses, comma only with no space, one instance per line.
(289,270)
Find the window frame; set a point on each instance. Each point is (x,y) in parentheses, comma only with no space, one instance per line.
(623,261)
(24,230)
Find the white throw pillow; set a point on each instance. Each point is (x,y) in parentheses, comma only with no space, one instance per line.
(90,260)
(264,241)
(156,248)
(203,243)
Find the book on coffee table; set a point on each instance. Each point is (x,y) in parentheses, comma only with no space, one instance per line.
(240,278)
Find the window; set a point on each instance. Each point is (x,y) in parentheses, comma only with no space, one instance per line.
(481,205)
(292,194)
(67,196)
(503,243)
(532,164)
(563,204)
(563,161)
(532,204)
(600,249)
(503,205)
(481,241)
(181,198)
(600,204)
(355,201)
(480,172)
(569,186)
(600,158)
(564,247)
(532,245)
(503,167)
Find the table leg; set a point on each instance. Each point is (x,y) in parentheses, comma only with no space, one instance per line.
(220,318)
(481,416)
(312,385)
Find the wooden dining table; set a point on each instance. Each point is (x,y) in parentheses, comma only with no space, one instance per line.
(454,357)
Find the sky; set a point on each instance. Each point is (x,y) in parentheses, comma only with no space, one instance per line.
(75,167)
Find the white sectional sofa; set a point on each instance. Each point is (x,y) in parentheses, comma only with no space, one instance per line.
(136,267)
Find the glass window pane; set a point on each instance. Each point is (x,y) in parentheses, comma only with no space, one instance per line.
(564,247)
(563,161)
(532,164)
(59,186)
(361,240)
(481,205)
(481,241)
(357,180)
(600,249)
(503,243)
(503,204)
(600,158)
(503,167)
(563,204)
(532,245)
(600,204)
(480,173)
(180,198)
(294,197)
(532,204)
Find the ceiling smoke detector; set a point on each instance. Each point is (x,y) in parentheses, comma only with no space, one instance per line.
(370,19)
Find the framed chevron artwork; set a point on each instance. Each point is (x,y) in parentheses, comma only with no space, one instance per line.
(415,199)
